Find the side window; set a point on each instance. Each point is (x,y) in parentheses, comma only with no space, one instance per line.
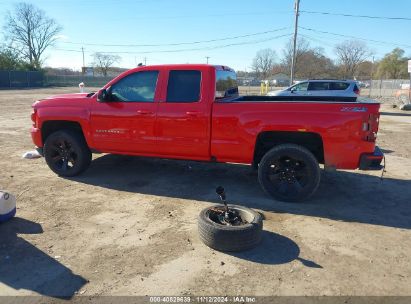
(339,86)
(318,86)
(140,86)
(184,86)
(301,86)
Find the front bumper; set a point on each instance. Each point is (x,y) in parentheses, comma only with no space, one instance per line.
(36,136)
(372,161)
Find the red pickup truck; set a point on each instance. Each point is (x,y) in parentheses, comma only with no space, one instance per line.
(194,112)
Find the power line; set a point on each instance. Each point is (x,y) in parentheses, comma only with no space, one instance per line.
(182,50)
(317,40)
(177,43)
(357,16)
(354,37)
(156,17)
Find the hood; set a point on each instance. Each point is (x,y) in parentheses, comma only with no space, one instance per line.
(275,93)
(74,99)
(69,96)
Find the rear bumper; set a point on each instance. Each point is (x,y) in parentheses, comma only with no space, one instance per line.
(372,161)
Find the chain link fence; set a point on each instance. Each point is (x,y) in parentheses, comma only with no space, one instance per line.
(389,90)
(30,79)
(21,79)
(74,80)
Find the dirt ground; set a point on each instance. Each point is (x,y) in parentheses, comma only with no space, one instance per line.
(127,226)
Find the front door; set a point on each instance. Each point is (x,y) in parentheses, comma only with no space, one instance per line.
(125,121)
(300,89)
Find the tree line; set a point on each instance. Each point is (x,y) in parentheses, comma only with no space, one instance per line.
(353,60)
(28,33)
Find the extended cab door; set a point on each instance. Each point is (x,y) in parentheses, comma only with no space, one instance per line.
(125,121)
(183,117)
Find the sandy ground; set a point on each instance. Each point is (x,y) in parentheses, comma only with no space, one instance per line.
(127,226)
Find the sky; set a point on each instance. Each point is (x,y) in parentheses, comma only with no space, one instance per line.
(123,26)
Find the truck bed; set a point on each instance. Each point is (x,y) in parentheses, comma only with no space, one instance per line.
(295,98)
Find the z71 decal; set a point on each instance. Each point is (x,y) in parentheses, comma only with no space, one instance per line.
(354,109)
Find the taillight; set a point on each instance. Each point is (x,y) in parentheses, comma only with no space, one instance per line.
(357,91)
(370,127)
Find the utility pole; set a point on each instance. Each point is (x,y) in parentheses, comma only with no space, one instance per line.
(84,65)
(297,10)
(372,73)
(145,60)
(207,57)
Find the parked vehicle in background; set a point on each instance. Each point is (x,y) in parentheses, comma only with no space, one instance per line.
(194,112)
(403,95)
(364,84)
(323,87)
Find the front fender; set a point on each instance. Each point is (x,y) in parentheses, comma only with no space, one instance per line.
(69,114)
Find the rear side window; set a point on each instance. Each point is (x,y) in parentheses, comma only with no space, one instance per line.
(226,84)
(339,86)
(318,86)
(183,86)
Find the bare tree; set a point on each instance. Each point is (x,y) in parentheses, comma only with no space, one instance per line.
(302,47)
(263,62)
(351,54)
(30,32)
(103,62)
(310,61)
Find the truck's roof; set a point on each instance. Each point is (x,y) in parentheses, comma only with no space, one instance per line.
(182,66)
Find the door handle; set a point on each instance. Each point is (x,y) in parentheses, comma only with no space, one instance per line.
(193,113)
(144,112)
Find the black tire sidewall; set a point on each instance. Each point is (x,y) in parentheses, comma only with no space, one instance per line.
(297,152)
(78,144)
(230,238)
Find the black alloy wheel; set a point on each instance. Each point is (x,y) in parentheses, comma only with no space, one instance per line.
(67,153)
(289,173)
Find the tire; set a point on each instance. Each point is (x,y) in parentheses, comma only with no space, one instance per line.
(230,238)
(66,153)
(289,173)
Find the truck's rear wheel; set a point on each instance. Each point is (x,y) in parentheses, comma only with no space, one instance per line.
(67,153)
(289,173)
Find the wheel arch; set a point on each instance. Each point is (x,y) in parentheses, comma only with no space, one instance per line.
(266,140)
(50,126)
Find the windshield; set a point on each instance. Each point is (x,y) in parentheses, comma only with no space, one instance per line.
(226,84)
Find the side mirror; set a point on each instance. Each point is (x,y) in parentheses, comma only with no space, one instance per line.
(293,90)
(104,95)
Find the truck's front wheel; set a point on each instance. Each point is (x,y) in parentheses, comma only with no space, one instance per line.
(289,173)
(67,153)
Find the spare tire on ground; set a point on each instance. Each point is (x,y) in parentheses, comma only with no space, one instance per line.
(217,235)
(7,206)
